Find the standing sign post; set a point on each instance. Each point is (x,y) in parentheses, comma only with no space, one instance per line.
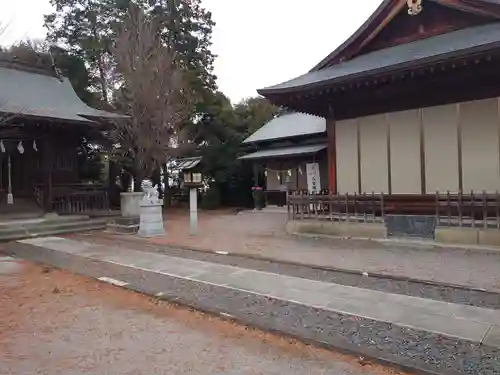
(193,180)
(193,211)
(313,178)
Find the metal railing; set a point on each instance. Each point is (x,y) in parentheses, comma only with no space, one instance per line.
(470,209)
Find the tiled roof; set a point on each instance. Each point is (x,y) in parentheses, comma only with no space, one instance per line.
(289,125)
(185,164)
(285,151)
(41,95)
(437,48)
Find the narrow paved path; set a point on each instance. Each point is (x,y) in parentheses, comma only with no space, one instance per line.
(263,235)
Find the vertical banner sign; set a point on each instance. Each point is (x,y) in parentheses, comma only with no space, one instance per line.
(313,179)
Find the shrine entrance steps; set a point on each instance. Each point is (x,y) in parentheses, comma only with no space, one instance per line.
(23,208)
(39,226)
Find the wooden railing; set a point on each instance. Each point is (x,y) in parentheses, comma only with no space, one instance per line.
(81,202)
(450,209)
(367,208)
(75,198)
(38,195)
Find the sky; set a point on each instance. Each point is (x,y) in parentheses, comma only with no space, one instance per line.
(258,43)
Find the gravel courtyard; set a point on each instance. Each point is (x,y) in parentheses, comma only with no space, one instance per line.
(263,235)
(53,322)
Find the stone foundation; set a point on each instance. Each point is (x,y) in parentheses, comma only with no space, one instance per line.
(333,228)
(468,236)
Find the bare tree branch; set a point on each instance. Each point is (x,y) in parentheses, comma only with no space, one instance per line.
(152,90)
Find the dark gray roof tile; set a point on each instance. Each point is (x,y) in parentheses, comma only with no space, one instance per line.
(285,151)
(289,125)
(40,95)
(436,48)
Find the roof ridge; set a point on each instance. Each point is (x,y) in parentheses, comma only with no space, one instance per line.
(389,9)
(9,61)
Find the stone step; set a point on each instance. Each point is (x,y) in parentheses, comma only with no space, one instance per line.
(50,227)
(30,221)
(426,335)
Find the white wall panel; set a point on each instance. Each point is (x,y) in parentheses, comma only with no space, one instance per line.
(405,152)
(347,156)
(441,148)
(480,148)
(374,166)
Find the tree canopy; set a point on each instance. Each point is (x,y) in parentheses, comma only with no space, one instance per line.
(89,31)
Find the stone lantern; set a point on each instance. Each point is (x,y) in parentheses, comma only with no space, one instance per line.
(192,179)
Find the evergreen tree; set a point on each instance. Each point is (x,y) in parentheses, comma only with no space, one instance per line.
(88,29)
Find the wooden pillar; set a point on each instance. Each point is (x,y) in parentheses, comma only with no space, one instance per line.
(459,148)
(332,153)
(256,170)
(47,166)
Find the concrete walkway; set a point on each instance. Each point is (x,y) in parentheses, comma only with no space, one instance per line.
(435,336)
(262,235)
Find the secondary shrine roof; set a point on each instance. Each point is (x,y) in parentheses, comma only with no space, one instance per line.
(285,151)
(458,43)
(47,96)
(185,164)
(289,125)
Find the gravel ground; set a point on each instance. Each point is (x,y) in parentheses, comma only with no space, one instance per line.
(53,322)
(262,234)
(407,346)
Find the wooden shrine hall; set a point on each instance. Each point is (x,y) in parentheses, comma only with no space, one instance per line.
(411,101)
(42,122)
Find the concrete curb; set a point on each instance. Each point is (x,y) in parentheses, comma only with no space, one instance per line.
(326,268)
(406,347)
(430,244)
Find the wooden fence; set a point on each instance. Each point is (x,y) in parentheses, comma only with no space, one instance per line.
(75,198)
(82,202)
(450,209)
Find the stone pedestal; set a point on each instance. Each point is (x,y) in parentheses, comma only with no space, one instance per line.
(151,222)
(124,225)
(130,204)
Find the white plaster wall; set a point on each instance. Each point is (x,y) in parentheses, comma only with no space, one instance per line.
(347,156)
(405,152)
(480,145)
(374,166)
(441,148)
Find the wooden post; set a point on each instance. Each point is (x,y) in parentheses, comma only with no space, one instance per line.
(332,153)
(48,164)
(256,174)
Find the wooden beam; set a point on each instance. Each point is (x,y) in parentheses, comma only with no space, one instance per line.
(423,170)
(332,152)
(459,148)
(484,8)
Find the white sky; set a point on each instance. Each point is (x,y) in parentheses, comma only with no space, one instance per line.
(258,42)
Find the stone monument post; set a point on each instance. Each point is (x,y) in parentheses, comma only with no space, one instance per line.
(151,218)
(193,211)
